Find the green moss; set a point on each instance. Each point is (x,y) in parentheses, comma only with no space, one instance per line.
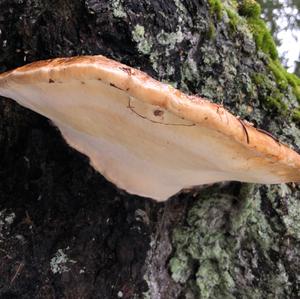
(264,41)
(272,98)
(294,81)
(275,102)
(261,80)
(280,74)
(296,91)
(284,78)
(216,8)
(296,115)
(263,37)
(250,9)
(233,18)
(211,31)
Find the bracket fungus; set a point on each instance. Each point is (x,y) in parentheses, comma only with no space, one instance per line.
(147,137)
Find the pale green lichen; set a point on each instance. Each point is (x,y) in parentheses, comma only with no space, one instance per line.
(138,35)
(223,249)
(189,70)
(181,7)
(170,70)
(6,220)
(184,14)
(212,89)
(227,246)
(170,39)
(181,268)
(118,10)
(154,59)
(60,263)
(292,219)
(219,228)
(291,216)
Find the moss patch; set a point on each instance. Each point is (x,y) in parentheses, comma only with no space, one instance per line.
(270,95)
(216,8)
(211,33)
(296,115)
(284,78)
(275,102)
(251,10)
(233,18)
(274,97)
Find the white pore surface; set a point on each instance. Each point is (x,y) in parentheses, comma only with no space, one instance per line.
(139,147)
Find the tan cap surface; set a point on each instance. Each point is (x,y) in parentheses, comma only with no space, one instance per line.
(145,136)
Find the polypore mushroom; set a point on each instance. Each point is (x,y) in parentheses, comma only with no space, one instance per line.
(145,136)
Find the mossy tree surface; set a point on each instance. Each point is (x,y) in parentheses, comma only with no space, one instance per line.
(230,240)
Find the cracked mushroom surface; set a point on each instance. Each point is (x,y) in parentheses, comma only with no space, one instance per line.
(144,136)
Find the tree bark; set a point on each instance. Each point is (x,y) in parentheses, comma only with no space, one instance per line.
(66,232)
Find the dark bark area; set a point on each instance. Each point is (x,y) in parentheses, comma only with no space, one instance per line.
(66,232)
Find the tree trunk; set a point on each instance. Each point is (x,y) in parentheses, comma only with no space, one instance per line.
(66,232)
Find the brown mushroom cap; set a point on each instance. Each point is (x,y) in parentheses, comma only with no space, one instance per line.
(145,136)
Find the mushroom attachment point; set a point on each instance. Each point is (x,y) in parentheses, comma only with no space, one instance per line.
(147,137)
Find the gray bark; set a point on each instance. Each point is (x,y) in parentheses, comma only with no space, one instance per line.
(65,232)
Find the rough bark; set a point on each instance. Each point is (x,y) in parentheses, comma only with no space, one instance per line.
(65,232)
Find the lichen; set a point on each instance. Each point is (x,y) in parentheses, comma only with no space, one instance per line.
(189,70)
(227,245)
(223,236)
(138,35)
(290,215)
(154,59)
(181,267)
(170,39)
(292,218)
(118,10)
(60,262)
(6,219)
(184,14)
